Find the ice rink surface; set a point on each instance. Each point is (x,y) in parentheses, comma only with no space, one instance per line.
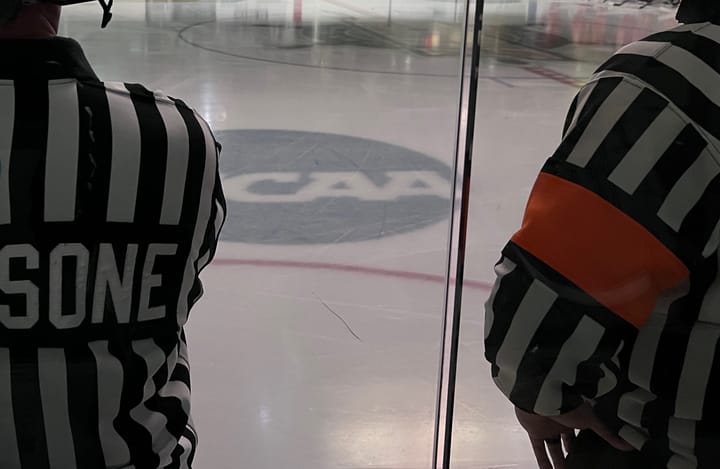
(317,343)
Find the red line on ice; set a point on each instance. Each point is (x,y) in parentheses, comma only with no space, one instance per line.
(347,268)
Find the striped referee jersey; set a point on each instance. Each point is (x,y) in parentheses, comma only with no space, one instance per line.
(610,290)
(110,206)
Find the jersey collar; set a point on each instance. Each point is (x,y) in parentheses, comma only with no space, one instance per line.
(44,59)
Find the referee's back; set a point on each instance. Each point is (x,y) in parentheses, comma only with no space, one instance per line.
(110,205)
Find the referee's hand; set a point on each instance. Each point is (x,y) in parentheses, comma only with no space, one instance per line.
(549,434)
(547,437)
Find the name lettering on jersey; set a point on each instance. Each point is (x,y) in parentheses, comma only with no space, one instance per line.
(70,268)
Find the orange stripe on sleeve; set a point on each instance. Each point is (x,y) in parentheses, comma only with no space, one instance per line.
(595,245)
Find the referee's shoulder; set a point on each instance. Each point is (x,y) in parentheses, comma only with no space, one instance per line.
(138,92)
(661,58)
(145,100)
(681,65)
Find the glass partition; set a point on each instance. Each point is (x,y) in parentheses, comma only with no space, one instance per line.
(318,340)
(536,54)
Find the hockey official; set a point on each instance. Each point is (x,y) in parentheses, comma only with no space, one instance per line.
(605,315)
(110,206)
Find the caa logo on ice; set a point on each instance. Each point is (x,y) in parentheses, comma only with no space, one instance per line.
(288,187)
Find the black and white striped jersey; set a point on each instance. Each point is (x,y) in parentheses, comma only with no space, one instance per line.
(610,290)
(110,206)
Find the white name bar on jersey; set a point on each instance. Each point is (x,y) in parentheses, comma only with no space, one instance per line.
(109,278)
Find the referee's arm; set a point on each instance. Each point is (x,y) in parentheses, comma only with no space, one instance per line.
(594,253)
(217,218)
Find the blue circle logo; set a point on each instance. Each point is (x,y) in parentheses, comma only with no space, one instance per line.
(289,188)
